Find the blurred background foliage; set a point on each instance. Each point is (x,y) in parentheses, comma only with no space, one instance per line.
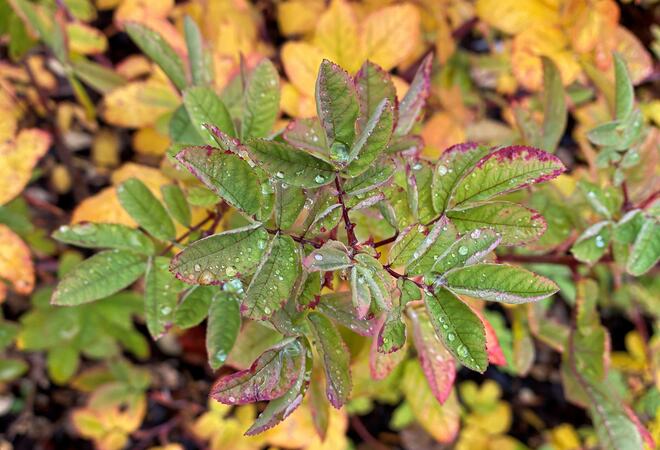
(82,110)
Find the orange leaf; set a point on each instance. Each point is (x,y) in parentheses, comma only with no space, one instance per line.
(15,263)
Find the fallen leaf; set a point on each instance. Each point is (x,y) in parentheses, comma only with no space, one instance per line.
(16,267)
(19,156)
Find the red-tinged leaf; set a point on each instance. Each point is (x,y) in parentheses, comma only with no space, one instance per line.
(391,333)
(506,170)
(413,102)
(643,431)
(338,306)
(336,358)
(226,174)
(279,409)
(309,135)
(495,353)
(269,377)
(318,403)
(382,364)
(373,86)
(437,363)
(452,165)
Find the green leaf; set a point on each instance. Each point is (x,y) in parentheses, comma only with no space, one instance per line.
(554,106)
(459,328)
(279,409)
(624,96)
(605,202)
(413,102)
(62,363)
(371,272)
(205,107)
(373,86)
(290,165)
(105,235)
(332,256)
(506,170)
(336,104)
(439,238)
(592,244)
(374,177)
(613,426)
(515,223)
(262,101)
(451,167)
(289,203)
(336,358)
(645,252)
(194,306)
(308,134)
(221,257)
(182,130)
(500,283)
(274,279)
(372,140)
(196,57)
(96,76)
(101,275)
(392,335)
(176,203)
(158,50)
(270,376)
(338,306)
(226,174)
(437,363)
(401,252)
(12,368)
(222,328)
(138,201)
(161,292)
(469,249)
(360,294)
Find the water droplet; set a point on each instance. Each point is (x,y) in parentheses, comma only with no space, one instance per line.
(279,175)
(221,356)
(318,257)
(475,234)
(442,170)
(319,179)
(230,271)
(197,267)
(266,310)
(165,310)
(451,337)
(462,350)
(462,250)
(600,242)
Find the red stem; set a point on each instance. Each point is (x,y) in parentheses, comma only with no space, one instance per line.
(350,232)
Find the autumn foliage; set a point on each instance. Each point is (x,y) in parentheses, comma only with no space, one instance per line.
(329,224)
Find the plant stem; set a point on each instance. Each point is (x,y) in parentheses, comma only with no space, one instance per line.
(350,232)
(366,436)
(298,239)
(389,240)
(398,275)
(191,230)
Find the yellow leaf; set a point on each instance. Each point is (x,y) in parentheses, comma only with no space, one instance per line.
(148,141)
(638,60)
(16,266)
(139,9)
(301,62)
(514,16)
(564,437)
(153,178)
(42,75)
(139,104)
(60,179)
(531,44)
(134,66)
(441,132)
(85,39)
(298,16)
(389,35)
(296,104)
(230,26)
(337,36)
(102,207)
(19,156)
(105,148)
(105,207)
(589,22)
(297,431)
